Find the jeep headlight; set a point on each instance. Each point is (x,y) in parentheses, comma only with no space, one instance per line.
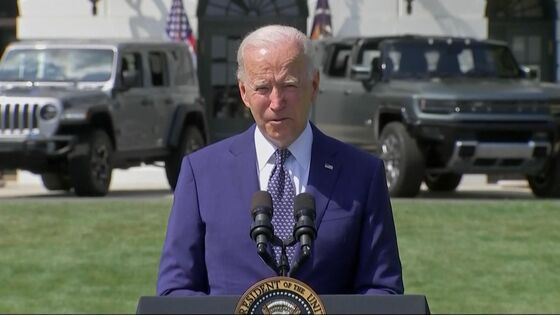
(48,112)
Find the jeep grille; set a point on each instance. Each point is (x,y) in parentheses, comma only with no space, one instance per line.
(18,119)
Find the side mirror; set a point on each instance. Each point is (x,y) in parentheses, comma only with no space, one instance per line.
(360,72)
(376,71)
(530,73)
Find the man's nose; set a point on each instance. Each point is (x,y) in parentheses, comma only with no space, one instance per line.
(276,98)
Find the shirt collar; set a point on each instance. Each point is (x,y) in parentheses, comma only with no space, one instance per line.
(300,148)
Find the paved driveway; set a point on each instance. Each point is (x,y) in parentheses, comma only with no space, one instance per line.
(150,182)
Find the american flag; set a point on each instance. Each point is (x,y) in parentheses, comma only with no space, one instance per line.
(321,21)
(178,27)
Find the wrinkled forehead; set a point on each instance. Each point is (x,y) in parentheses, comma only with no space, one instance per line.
(266,48)
(286,56)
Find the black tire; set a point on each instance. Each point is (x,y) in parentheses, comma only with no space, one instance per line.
(191,140)
(55,181)
(91,167)
(547,183)
(404,162)
(442,182)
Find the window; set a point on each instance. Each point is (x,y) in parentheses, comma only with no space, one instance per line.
(158,68)
(184,71)
(339,61)
(91,65)
(131,70)
(254,8)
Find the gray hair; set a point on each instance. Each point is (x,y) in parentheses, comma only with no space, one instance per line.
(273,35)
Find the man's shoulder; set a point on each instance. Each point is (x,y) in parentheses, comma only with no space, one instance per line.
(221,147)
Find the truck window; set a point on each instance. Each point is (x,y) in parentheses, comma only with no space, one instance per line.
(57,65)
(339,61)
(419,59)
(184,71)
(131,70)
(158,69)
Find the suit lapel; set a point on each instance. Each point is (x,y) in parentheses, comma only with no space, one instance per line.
(245,176)
(323,172)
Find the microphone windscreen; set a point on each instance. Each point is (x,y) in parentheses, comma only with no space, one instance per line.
(304,201)
(261,199)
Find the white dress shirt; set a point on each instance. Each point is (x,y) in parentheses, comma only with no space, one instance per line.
(297,164)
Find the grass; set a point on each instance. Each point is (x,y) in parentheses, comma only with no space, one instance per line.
(481,256)
(100,256)
(79,257)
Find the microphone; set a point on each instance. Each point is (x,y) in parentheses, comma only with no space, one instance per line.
(304,215)
(261,228)
(261,211)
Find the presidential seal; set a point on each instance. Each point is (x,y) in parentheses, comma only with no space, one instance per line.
(280,295)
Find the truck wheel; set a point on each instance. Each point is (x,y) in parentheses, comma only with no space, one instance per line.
(191,140)
(55,181)
(404,163)
(90,170)
(442,182)
(547,183)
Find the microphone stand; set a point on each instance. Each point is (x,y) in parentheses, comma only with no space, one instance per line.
(305,253)
(283,267)
(265,255)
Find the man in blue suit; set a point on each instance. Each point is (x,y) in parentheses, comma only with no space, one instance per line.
(208,249)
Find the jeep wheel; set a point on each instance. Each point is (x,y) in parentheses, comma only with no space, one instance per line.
(55,181)
(91,166)
(191,140)
(547,183)
(442,182)
(404,163)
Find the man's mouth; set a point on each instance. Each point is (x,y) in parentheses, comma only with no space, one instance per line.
(278,119)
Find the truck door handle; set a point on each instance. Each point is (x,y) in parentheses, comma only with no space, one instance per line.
(347,92)
(168,101)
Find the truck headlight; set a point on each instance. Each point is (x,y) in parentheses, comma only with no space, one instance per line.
(438,106)
(48,112)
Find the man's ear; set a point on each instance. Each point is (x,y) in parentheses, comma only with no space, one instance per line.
(243,92)
(315,85)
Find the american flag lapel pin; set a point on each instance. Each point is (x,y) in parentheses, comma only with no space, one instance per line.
(329,166)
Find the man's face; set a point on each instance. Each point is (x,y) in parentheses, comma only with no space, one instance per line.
(277,89)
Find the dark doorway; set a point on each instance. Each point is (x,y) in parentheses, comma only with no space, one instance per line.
(8,15)
(222,24)
(528,27)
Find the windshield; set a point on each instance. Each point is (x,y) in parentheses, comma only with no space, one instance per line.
(418,59)
(76,65)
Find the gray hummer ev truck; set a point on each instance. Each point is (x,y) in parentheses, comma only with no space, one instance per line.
(72,111)
(435,108)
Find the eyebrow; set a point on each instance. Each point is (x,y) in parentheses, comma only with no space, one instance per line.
(291,80)
(263,83)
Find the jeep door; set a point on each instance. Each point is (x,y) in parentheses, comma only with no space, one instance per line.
(135,111)
(161,94)
(343,107)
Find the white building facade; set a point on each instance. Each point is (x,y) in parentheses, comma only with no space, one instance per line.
(531,27)
(146,19)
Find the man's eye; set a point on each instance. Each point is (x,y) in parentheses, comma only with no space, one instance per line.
(261,89)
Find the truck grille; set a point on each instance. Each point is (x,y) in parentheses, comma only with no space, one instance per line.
(19,119)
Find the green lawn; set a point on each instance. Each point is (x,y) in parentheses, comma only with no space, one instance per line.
(99,256)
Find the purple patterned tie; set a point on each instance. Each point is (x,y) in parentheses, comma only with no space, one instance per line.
(281,188)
